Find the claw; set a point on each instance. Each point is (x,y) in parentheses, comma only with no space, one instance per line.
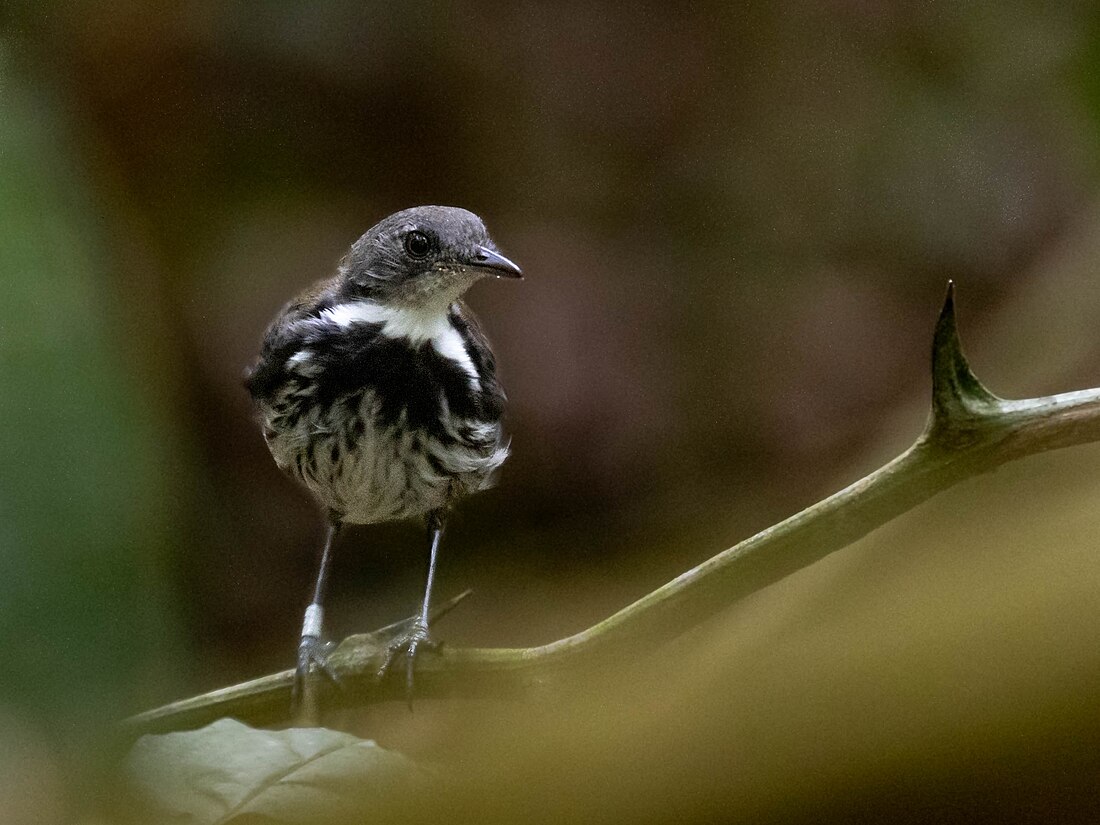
(410,645)
(384,636)
(312,650)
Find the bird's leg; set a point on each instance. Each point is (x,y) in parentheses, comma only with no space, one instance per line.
(417,637)
(313,649)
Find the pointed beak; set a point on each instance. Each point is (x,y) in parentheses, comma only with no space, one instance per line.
(486,258)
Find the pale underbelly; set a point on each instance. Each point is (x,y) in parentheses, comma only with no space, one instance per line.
(375,474)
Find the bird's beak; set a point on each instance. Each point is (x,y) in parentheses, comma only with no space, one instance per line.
(486,258)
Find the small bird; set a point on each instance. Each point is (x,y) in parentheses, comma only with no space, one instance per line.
(377,390)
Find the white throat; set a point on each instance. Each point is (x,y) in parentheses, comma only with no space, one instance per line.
(418,324)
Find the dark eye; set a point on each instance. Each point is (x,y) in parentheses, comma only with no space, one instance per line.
(417,244)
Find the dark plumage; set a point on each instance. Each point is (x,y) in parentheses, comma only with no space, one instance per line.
(378,391)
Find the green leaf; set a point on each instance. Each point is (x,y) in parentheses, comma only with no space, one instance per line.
(229,771)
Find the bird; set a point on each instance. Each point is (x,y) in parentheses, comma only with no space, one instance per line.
(377,390)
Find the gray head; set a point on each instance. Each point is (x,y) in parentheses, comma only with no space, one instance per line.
(424,255)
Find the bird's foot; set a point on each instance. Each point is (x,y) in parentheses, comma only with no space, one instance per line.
(312,650)
(410,644)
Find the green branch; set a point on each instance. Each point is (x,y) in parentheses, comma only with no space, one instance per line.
(970,431)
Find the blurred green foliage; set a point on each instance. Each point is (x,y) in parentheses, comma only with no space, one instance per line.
(84,506)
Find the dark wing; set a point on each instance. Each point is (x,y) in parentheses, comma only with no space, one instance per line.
(282,339)
(481,353)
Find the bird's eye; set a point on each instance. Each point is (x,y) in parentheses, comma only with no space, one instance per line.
(417,244)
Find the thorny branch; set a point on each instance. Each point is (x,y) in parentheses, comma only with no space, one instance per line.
(970,431)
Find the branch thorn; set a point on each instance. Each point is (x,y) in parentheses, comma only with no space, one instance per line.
(957,394)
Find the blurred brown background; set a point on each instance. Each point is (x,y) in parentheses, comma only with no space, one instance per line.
(736,221)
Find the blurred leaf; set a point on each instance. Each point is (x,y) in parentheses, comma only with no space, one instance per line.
(228,770)
(85,492)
